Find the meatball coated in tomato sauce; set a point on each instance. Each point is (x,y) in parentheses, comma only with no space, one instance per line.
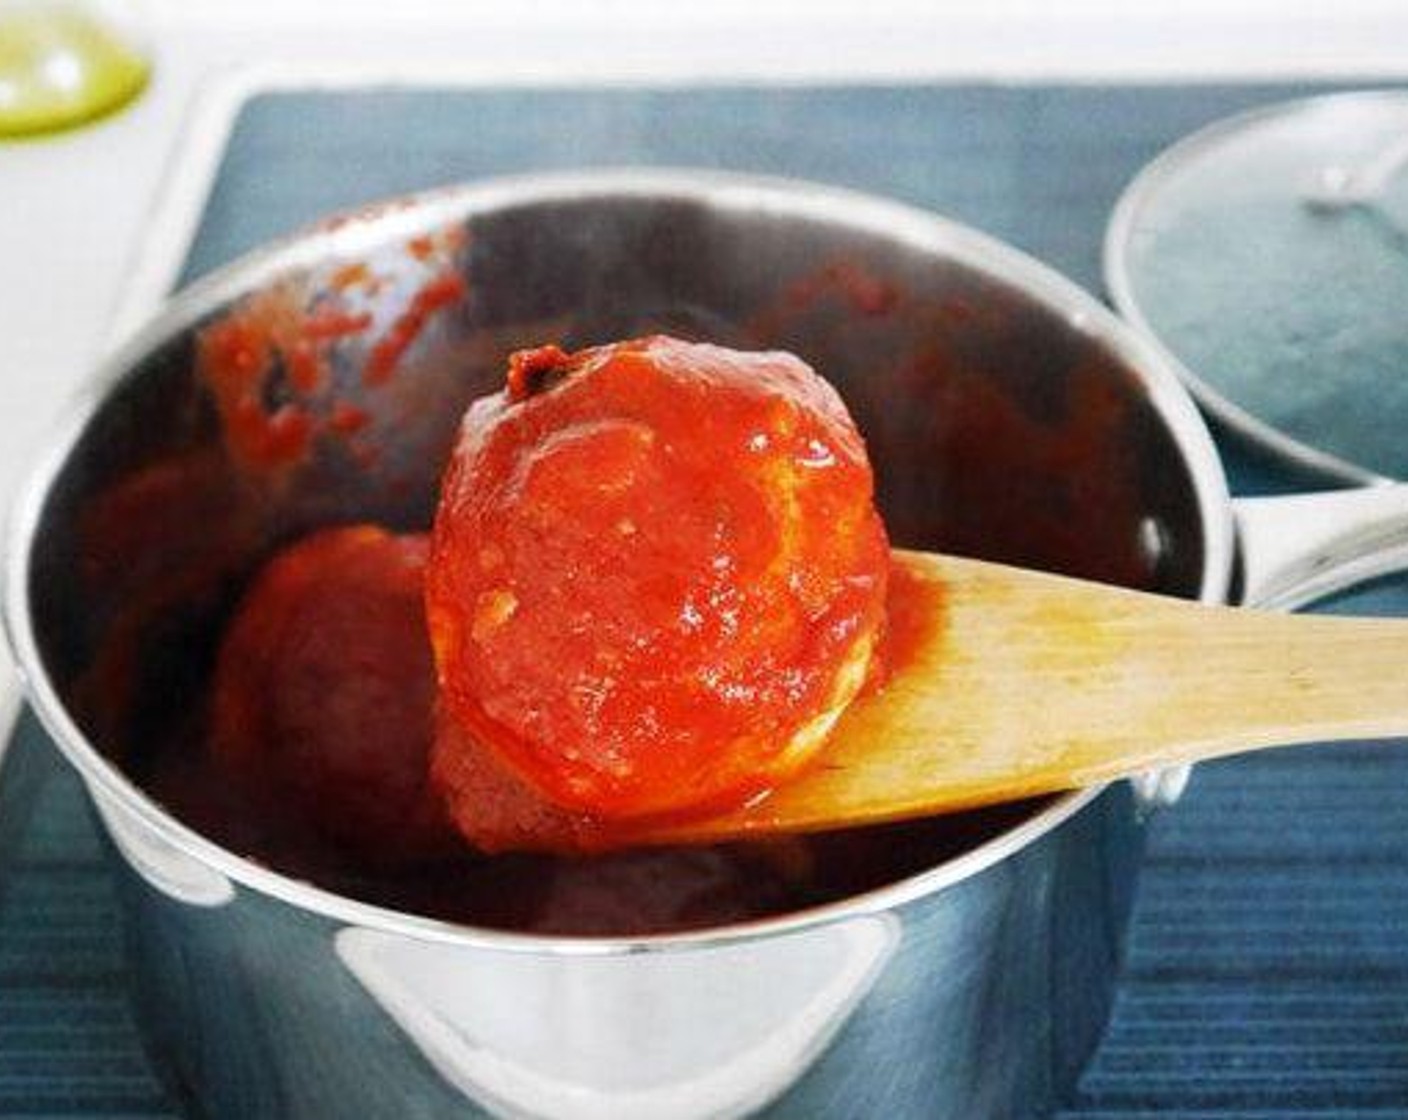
(324,693)
(494,810)
(656,575)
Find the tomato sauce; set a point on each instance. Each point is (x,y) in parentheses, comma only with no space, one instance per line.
(656,574)
(441,291)
(949,410)
(270,361)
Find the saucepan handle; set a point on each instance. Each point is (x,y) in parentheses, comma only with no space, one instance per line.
(1297,548)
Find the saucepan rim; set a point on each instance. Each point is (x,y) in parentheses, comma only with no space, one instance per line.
(407,215)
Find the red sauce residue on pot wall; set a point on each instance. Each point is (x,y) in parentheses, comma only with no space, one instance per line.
(440,291)
(270,362)
(332,323)
(859,291)
(235,356)
(356,274)
(1055,488)
(985,456)
(348,418)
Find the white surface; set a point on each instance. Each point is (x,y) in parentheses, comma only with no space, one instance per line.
(75,210)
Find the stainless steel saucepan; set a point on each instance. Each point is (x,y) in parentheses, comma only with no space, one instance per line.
(1009,415)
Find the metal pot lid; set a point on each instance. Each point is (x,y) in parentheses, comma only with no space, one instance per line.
(1268,254)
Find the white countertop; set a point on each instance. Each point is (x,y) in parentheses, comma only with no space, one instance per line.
(74,209)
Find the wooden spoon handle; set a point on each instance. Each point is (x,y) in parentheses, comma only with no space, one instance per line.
(1019,683)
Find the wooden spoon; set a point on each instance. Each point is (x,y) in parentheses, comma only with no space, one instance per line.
(1012,683)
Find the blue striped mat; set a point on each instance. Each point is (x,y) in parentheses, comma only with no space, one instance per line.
(1268,974)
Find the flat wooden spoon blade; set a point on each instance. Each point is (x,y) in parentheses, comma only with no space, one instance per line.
(1008,683)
